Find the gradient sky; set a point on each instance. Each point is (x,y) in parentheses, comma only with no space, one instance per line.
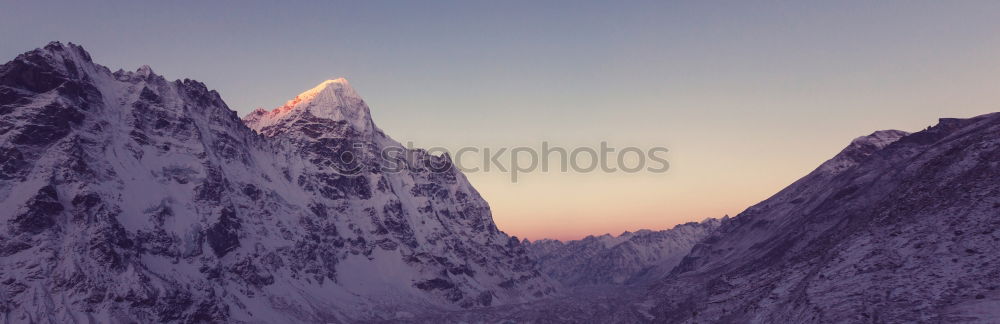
(747,95)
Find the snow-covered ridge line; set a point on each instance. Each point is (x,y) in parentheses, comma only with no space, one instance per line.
(138,199)
(859,149)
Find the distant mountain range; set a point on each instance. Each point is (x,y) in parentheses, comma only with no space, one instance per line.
(628,259)
(125,197)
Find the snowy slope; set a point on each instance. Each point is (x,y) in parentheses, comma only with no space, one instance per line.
(901,230)
(126,197)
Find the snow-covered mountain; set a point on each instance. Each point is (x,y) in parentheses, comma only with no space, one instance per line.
(896,228)
(630,258)
(125,197)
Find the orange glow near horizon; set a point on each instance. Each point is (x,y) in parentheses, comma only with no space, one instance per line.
(568,206)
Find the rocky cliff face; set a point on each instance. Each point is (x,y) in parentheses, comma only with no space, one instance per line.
(125,197)
(631,258)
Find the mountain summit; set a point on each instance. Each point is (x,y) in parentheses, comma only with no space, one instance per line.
(333,100)
(131,198)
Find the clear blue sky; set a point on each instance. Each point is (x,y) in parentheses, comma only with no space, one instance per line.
(748,95)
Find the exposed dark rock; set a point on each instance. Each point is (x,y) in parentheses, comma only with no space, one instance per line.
(223,236)
(40,213)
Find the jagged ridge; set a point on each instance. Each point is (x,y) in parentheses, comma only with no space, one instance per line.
(138,199)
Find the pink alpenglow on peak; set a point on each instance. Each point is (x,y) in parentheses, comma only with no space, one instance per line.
(333,99)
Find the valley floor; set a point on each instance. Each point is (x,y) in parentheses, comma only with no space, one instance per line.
(588,304)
